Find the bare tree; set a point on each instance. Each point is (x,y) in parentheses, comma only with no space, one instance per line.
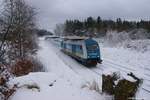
(59,29)
(6,24)
(18,23)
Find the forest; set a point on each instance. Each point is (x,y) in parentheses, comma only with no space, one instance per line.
(92,25)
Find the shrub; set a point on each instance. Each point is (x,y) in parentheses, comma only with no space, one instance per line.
(5,90)
(108,83)
(22,67)
(124,89)
(25,66)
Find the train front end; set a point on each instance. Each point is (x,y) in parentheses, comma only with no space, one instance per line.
(93,52)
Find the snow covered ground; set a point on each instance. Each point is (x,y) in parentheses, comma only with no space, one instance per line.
(52,87)
(60,82)
(125,61)
(128,56)
(65,78)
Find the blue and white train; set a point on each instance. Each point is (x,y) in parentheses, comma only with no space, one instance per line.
(84,50)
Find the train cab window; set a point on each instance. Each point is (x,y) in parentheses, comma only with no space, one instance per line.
(92,47)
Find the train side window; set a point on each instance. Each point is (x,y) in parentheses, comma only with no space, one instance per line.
(80,47)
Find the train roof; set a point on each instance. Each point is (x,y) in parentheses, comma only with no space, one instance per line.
(75,38)
(52,37)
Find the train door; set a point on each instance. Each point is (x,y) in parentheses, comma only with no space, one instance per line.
(74,49)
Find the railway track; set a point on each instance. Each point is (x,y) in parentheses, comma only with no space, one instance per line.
(97,70)
(147,75)
(108,63)
(74,66)
(122,66)
(147,68)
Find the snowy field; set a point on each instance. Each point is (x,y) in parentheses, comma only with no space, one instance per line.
(60,82)
(126,61)
(66,79)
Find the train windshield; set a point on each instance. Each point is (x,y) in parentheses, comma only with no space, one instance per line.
(92,47)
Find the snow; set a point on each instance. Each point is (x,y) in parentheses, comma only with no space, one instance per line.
(59,82)
(122,54)
(66,79)
(34,79)
(119,59)
(51,87)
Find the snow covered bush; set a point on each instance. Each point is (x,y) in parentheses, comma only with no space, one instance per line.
(5,90)
(138,45)
(137,39)
(122,88)
(108,83)
(25,66)
(22,67)
(113,38)
(126,89)
(137,34)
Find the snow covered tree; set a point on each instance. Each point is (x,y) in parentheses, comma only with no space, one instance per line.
(17,41)
(90,24)
(59,30)
(19,23)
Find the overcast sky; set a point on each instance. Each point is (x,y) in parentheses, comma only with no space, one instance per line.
(51,12)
